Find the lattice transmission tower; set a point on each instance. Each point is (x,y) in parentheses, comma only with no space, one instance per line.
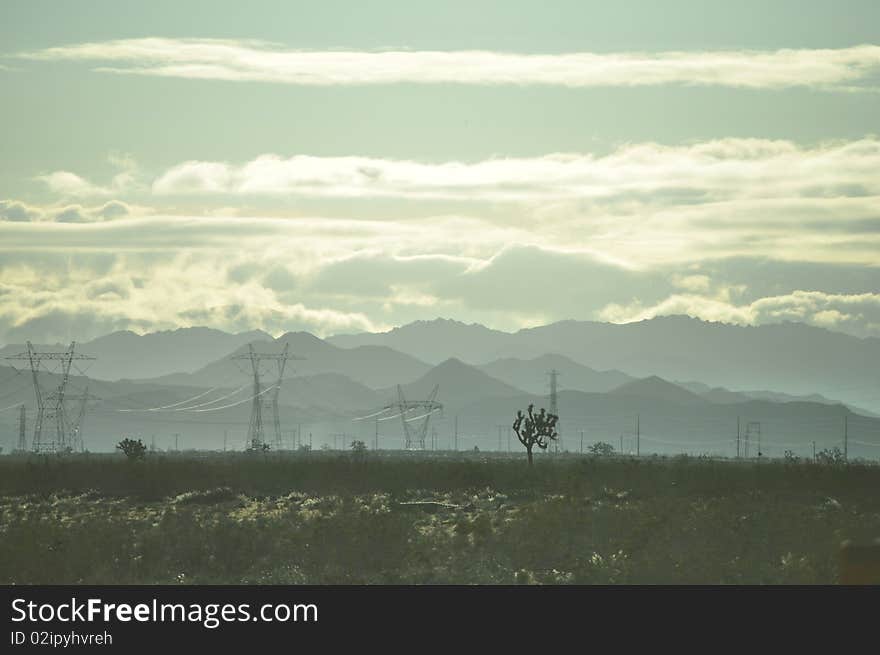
(265,398)
(50,407)
(77,437)
(753,435)
(414,435)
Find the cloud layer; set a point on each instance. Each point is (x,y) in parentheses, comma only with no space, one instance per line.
(711,170)
(741,230)
(242,60)
(640,205)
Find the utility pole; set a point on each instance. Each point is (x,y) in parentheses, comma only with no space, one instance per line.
(638,434)
(225,437)
(554,406)
(814,451)
(456,434)
(376,437)
(22,428)
(342,437)
(582,442)
(845,438)
(176,442)
(737,438)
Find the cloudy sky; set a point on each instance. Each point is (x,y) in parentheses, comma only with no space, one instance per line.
(347,166)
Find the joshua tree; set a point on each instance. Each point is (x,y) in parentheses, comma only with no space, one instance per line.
(132,449)
(358,450)
(601,449)
(535,429)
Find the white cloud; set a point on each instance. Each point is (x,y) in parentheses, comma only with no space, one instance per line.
(853,312)
(134,292)
(240,60)
(69,184)
(640,205)
(15,210)
(709,171)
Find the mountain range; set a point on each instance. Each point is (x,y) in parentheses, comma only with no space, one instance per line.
(126,355)
(791,358)
(203,391)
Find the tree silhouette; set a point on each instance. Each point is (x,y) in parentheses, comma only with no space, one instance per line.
(601,449)
(535,429)
(358,450)
(132,449)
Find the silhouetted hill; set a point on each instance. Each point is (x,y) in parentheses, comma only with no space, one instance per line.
(372,366)
(723,396)
(126,355)
(792,358)
(655,388)
(531,374)
(435,340)
(330,391)
(324,405)
(459,383)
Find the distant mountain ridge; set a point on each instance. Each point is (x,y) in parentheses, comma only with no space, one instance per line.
(370,365)
(126,355)
(324,405)
(792,358)
(459,384)
(532,375)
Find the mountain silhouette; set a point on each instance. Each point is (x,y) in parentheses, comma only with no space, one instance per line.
(126,355)
(656,388)
(459,384)
(372,366)
(531,374)
(791,358)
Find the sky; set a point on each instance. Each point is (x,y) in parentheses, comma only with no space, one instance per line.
(338,166)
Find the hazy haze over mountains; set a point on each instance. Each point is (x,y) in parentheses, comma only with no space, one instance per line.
(126,355)
(610,377)
(375,366)
(787,357)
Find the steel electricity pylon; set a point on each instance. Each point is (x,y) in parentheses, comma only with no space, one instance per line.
(265,398)
(415,434)
(77,439)
(50,407)
(415,428)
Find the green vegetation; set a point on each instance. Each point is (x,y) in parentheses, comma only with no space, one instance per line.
(375,518)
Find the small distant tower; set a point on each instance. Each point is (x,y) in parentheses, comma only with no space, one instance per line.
(554,406)
(753,433)
(22,428)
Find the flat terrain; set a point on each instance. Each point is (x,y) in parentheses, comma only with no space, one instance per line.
(329,518)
